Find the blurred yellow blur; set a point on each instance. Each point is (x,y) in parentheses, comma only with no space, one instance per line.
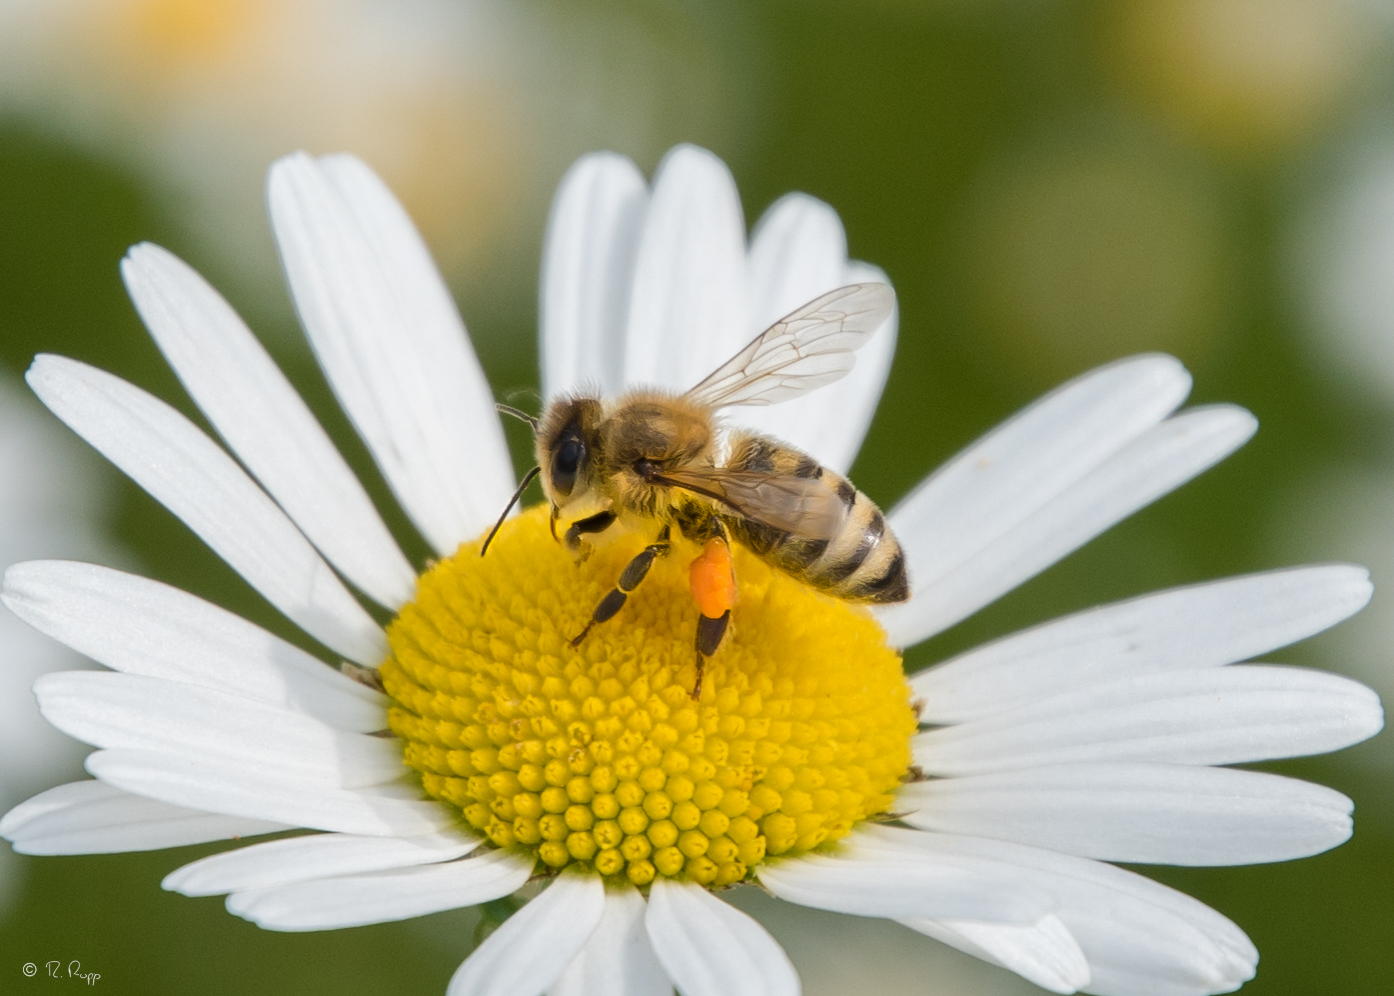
(467,109)
(1244,77)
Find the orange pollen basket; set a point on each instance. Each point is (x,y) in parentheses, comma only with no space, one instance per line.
(713,579)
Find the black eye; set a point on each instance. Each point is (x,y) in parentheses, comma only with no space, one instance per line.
(566,461)
(569,456)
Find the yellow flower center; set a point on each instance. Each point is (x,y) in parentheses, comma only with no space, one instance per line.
(600,755)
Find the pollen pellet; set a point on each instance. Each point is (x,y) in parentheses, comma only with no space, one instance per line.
(599,756)
(711,579)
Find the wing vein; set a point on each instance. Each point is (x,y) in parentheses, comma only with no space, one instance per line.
(806,349)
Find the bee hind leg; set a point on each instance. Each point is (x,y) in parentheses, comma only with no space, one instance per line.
(709,635)
(630,578)
(713,582)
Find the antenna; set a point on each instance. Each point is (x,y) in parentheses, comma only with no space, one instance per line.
(527,479)
(519,414)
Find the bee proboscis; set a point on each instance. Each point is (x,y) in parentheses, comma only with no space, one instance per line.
(654,457)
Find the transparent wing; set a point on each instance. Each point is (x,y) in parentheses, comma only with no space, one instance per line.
(803,505)
(811,347)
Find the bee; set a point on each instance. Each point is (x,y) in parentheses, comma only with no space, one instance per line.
(654,458)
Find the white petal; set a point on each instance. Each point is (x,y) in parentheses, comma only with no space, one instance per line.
(190,475)
(254,408)
(1226,715)
(688,312)
(1139,937)
(904,883)
(1043,952)
(618,960)
(95,818)
(388,337)
(1012,472)
(587,269)
(709,948)
(355,900)
(221,786)
(140,626)
(1203,625)
(321,855)
(798,252)
(845,409)
(1146,813)
(1154,463)
(133,711)
(533,947)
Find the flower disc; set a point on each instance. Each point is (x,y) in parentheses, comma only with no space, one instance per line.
(599,754)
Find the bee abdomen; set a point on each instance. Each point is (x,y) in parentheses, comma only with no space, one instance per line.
(861,562)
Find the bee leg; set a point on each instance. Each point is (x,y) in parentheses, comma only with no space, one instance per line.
(713,582)
(597,523)
(709,635)
(633,573)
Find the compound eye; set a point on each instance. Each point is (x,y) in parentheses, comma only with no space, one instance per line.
(566,461)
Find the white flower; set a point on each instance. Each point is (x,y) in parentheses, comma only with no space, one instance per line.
(1093,738)
(51,502)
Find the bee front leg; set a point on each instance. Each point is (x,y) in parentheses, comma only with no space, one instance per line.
(713,582)
(597,523)
(633,573)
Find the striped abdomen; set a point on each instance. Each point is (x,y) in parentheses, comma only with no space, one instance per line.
(857,559)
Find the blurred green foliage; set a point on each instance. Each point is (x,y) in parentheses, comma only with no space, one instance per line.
(903,115)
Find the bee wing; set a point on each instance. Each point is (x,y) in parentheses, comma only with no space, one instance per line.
(806,349)
(807,506)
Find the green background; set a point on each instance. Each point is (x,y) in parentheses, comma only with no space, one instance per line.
(930,127)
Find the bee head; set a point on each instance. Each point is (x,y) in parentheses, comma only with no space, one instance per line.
(568,451)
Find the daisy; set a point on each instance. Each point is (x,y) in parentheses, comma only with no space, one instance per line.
(51,502)
(976,803)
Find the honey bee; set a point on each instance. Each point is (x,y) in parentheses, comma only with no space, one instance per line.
(653,457)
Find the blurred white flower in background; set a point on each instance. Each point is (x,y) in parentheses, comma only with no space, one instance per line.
(469,108)
(51,501)
(1107,233)
(1348,511)
(1342,254)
